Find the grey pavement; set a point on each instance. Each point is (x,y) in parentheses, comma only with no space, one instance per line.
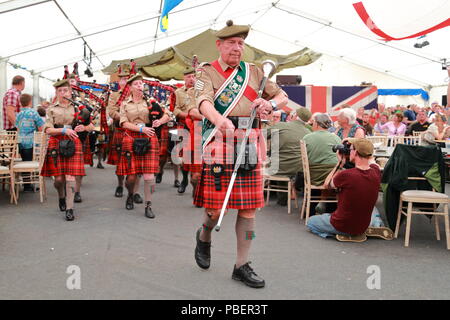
(123,255)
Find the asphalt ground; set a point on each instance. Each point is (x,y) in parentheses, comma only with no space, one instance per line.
(123,255)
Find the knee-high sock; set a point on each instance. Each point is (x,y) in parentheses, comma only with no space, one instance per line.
(208,226)
(130,184)
(70,193)
(176,171)
(120,180)
(136,184)
(148,184)
(244,234)
(78,180)
(185,180)
(59,186)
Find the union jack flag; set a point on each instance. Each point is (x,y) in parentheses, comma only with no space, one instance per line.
(331,99)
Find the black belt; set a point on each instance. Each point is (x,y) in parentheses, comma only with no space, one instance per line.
(242,122)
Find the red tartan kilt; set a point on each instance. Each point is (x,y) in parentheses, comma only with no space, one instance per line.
(73,166)
(88,157)
(193,168)
(164,140)
(247,192)
(148,163)
(113,155)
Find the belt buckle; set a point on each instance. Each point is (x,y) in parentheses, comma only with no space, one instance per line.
(243,122)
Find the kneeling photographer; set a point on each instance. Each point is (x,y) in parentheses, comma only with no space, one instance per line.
(358,192)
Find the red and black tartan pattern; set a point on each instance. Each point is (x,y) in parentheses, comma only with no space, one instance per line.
(148,163)
(73,166)
(88,157)
(164,140)
(247,192)
(113,155)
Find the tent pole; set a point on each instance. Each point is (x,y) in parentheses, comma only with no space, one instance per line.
(36,96)
(3,82)
(157,25)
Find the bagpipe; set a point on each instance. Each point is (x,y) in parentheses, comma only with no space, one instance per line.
(83,113)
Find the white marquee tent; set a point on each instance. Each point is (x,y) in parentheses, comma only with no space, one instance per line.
(39,37)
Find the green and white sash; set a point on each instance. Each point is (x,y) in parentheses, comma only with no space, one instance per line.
(227,98)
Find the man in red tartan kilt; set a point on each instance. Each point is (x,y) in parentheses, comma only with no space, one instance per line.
(64,158)
(225,92)
(186,113)
(114,113)
(140,146)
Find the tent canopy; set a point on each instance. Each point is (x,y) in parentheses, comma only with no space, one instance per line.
(171,62)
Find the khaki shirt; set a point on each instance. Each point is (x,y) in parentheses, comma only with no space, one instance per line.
(112,109)
(209,81)
(185,100)
(59,115)
(135,113)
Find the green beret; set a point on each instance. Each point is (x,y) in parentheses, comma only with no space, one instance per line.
(135,77)
(188,70)
(304,114)
(62,83)
(232,30)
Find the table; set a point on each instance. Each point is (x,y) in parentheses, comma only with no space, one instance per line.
(389,150)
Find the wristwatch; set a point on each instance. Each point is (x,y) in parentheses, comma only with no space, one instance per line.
(274,105)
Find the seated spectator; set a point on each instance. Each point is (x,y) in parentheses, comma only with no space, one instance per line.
(352,217)
(359,115)
(374,115)
(439,130)
(384,118)
(437,109)
(349,128)
(366,125)
(27,122)
(288,153)
(276,117)
(42,112)
(421,123)
(319,144)
(395,127)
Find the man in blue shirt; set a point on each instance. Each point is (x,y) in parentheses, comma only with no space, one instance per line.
(27,122)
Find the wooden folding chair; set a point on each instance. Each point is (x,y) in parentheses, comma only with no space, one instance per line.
(289,189)
(8,146)
(308,198)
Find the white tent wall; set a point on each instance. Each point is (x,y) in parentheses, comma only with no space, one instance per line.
(436,94)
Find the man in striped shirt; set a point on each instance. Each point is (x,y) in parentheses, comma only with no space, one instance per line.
(11,103)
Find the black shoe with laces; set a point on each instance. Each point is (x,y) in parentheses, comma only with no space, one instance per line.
(77,197)
(176,184)
(202,252)
(62,204)
(129,204)
(148,210)
(100,166)
(69,215)
(159,177)
(137,198)
(246,274)
(119,192)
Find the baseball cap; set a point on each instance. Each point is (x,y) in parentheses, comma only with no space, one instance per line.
(363,146)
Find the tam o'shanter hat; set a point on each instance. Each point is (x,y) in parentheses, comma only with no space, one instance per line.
(233,30)
(188,70)
(61,83)
(135,77)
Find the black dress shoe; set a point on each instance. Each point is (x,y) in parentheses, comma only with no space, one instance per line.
(181,188)
(246,274)
(159,178)
(62,204)
(119,192)
(129,205)
(202,252)
(77,197)
(100,166)
(148,210)
(176,184)
(69,215)
(137,198)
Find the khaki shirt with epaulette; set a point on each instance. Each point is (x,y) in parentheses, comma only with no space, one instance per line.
(113,110)
(135,113)
(185,100)
(209,80)
(59,115)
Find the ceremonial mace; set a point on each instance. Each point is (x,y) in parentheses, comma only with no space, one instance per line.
(268,67)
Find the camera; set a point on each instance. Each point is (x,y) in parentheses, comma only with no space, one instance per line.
(343,148)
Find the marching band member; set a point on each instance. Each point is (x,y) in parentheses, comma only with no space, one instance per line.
(64,158)
(225,93)
(140,146)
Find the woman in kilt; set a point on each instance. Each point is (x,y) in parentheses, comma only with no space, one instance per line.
(140,146)
(64,158)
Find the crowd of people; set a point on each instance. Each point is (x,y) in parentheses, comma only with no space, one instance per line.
(220,95)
